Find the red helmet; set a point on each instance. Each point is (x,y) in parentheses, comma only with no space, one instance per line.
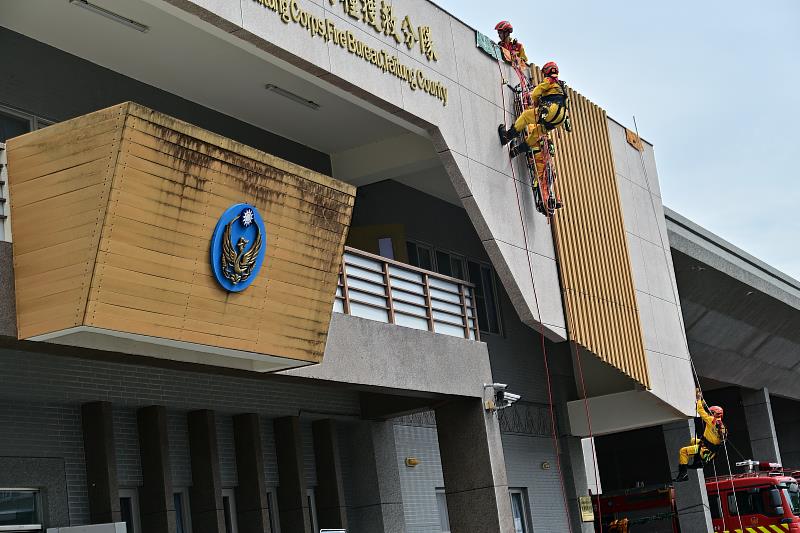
(716,410)
(504,25)
(550,69)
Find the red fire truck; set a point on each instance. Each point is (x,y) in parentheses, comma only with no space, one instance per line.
(765,497)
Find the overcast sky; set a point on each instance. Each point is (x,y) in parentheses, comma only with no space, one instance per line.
(714,85)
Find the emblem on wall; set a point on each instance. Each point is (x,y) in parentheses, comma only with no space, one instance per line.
(237,247)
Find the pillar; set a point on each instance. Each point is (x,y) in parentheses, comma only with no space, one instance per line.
(206,492)
(252,506)
(473,467)
(377,504)
(101,462)
(331,509)
(691,498)
(156,501)
(761,425)
(292,499)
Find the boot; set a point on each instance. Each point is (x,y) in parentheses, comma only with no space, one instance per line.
(506,136)
(683,473)
(518,148)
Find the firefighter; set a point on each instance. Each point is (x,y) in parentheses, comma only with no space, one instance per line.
(702,450)
(512,46)
(548,113)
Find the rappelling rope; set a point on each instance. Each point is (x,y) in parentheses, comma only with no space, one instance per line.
(680,315)
(541,326)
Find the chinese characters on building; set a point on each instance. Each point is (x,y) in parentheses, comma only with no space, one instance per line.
(382,19)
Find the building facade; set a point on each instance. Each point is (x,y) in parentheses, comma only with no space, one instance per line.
(404,269)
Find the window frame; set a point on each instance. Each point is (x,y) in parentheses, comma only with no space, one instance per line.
(40,511)
(35,122)
(444,515)
(186,509)
(230,493)
(132,493)
(523,496)
(311,498)
(465,260)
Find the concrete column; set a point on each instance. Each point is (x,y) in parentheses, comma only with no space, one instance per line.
(575,480)
(377,504)
(760,425)
(331,509)
(292,498)
(156,501)
(101,462)
(786,414)
(206,493)
(474,468)
(691,497)
(252,506)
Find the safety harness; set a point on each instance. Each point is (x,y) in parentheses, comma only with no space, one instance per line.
(559,99)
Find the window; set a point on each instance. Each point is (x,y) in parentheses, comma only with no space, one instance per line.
(478,273)
(129,508)
(229,511)
(751,501)
(183,517)
(271,513)
(385,248)
(20,507)
(519,510)
(312,509)
(715,504)
(441,504)
(14,122)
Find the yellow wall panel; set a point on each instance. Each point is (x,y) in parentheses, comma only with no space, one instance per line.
(140,200)
(594,263)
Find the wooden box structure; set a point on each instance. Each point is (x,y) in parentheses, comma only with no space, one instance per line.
(113,218)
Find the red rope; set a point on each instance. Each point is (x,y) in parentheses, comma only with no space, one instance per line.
(541,327)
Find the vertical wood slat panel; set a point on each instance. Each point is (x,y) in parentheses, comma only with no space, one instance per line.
(591,246)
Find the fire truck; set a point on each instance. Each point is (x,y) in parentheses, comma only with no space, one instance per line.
(765,497)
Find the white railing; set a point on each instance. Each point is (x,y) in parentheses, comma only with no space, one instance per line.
(376,288)
(5,208)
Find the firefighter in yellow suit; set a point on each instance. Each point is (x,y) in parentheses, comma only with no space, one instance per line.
(548,112)
(702,450)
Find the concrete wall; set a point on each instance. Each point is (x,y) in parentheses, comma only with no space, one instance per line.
(463,131)
(58,86)
(654,276)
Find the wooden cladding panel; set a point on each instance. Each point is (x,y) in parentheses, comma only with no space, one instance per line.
(59,180)
(170,184)
(594,263)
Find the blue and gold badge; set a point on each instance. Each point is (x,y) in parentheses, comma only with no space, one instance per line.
(237,247)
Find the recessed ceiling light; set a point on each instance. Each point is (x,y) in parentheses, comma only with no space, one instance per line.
(125,21)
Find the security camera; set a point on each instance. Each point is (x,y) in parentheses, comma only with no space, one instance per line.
(496,396)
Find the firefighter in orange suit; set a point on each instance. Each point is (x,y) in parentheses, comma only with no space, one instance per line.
(702,450)
(512,47)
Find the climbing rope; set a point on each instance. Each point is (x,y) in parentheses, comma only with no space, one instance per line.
(680,315)
(541,327)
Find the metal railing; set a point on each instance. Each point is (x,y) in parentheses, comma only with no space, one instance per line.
(376,288)
(5,221)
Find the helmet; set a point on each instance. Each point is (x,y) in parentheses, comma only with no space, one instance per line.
(504,25)
(550,69)
(717,411)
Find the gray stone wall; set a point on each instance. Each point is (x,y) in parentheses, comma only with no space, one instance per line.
(419,483)
(41,394)
(653,271)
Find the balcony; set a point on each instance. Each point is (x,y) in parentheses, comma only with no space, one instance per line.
(391,292)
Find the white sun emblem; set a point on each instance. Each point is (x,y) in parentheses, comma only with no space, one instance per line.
(247,217)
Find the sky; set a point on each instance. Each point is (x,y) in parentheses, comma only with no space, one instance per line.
(714,86)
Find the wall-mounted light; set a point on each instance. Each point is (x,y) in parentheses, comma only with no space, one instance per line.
(116,17)
(292,96)
(545,465)
(411,462)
